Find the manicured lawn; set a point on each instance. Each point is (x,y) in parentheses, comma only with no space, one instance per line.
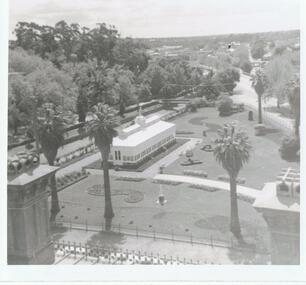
(265,163)
(188,211)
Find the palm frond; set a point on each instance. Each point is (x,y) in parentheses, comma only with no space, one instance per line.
(232,149)
(102,125)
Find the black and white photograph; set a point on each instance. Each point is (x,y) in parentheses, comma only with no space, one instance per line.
(153,133)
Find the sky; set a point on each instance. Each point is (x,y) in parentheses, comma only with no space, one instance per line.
(163,18)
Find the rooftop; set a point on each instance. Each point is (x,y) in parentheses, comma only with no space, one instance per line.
(136,134)
(143,129)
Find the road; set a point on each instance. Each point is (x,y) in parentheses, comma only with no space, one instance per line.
(244,93)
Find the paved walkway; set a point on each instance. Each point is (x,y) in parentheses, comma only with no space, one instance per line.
(248,96)
(250,192)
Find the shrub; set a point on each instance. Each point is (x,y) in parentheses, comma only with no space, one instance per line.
(192,107)
(195,173)
(289,148)
(203,187)
(246,66)
(245,198)
(225,106)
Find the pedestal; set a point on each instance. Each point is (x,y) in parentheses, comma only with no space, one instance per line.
(28,231)
(282,214)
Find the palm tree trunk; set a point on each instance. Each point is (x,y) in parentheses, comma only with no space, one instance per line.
(297,126)
(259,110)
(54,199)
(108,210)
(235,224)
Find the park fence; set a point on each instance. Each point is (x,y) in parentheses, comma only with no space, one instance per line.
(286,125)
(208,238)
(100,254)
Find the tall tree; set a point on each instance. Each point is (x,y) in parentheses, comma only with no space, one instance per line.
(43,83)
(131,54)
(228,78)
(258,49)
(232,151)
(103,40)
(278,72)
(102,129)
(51,137)
(259,83)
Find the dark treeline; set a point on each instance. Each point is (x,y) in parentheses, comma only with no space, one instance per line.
(74,43)
(75,68)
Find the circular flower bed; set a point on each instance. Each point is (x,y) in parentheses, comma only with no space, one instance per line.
(134,197)
(207,148)
(197,121)
(98,190)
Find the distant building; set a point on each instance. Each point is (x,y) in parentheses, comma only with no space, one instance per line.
(141,140)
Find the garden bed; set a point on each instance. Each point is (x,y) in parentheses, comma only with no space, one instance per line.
(69,179)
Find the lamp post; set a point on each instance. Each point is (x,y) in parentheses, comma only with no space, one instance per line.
(161,198)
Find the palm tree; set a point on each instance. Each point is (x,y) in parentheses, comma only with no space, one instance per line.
(293,93)
(102,129)
(232,152)
(51,137)
(259,83)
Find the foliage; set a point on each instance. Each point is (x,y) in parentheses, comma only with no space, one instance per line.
(241,58)
(102,127)
(225,105)
(246,66)
(258,49)
(259,83)
(24,62)
(143,92)
(228,79)
(82,106)
(289,148)
(51,134)
(155,76)
(131,54)
(278,72)
(232,149)
(209,88)
(292,90)
(73,43)
(40,83)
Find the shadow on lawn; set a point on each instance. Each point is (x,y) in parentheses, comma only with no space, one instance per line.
(247,257)
(57,232)
(107,239)
(272,131)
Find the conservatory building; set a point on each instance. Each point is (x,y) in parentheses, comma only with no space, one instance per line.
(141,140)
